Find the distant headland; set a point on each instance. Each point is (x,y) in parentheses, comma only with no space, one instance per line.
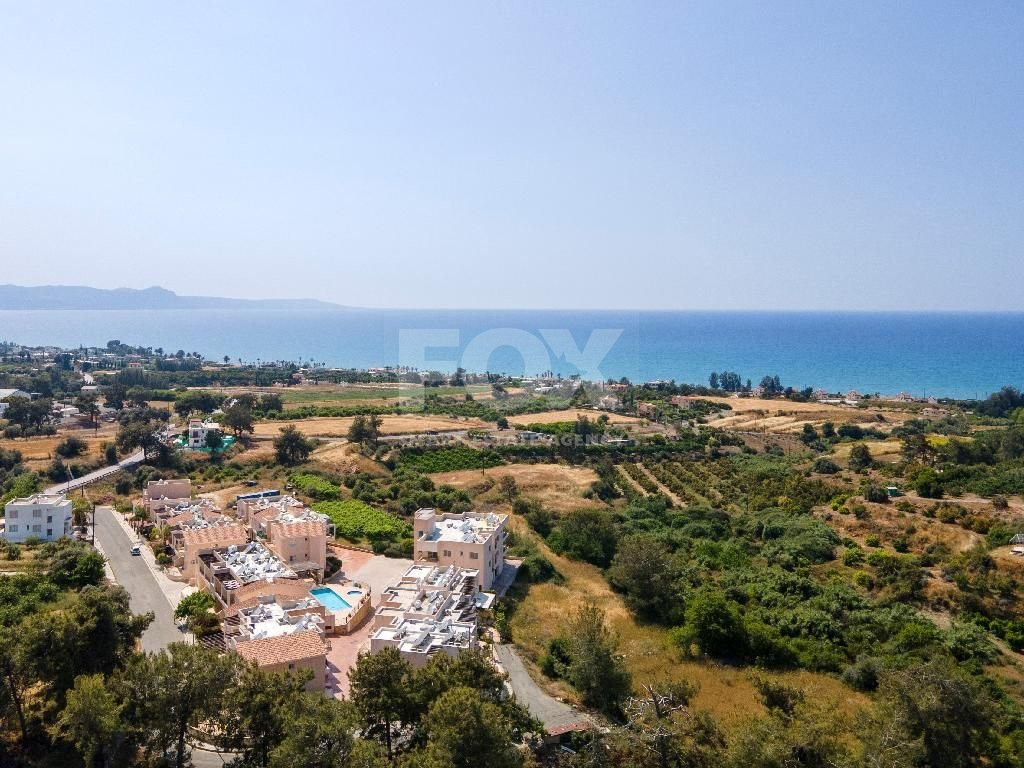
(84,297)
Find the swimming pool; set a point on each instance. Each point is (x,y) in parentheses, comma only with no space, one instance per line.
(330,599)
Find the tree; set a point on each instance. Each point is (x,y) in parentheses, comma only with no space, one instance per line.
(319,732)
(930,715)
(586,534)
(662,731)
(91,719)
(381,691)
(238,418)
(166,692)
(809,435)
(258,712)
(508,488)
(291,447)
(80,511)
(467,732)
(860,457)
(713,380)
(195,401)
(713,624)
(73,564)
(197,610)
(595,669)
(643,571)
(502,423)
(214,440)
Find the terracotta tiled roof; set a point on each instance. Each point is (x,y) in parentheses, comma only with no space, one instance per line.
(283,649)
(303,528)
(232,533)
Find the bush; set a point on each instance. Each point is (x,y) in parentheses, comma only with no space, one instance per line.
(536,569)
(71,447)
(853,556)
(825,466)
(876,494)
(863,674)
(873,540)
(315,487)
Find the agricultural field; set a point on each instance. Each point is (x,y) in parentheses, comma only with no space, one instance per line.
(557,486)
(390,425)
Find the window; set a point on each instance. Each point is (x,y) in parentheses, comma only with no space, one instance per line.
(37,529)
(49,531)
(447,553)
(474,555)
(37,513)
(13,528)
(49,518)
(12,515)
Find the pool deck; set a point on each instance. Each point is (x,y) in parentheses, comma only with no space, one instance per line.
(377,572)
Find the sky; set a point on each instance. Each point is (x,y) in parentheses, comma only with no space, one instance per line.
(633,155)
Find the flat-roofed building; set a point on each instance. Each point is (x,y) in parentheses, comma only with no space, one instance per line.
(235,575)
(198,541)
(467,540)
(159,494)
(45,516)
(431,609)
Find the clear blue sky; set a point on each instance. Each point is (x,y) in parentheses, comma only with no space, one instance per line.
(519,154)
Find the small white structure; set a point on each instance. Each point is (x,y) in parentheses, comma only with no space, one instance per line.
(44,516)
(197,432)
(6,394)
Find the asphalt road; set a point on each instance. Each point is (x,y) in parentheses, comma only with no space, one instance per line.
(553,713)
(99,474)
(132,573)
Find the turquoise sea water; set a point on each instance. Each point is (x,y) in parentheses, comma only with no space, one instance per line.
(951,354)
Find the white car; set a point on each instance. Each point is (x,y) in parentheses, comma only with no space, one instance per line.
(136,550)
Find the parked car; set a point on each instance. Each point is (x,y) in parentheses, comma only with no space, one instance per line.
(136,550)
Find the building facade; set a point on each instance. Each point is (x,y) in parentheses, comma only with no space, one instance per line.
(43,516)
(467,540)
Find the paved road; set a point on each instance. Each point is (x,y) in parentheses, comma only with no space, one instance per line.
(99,474)
(554,714)
(132,573)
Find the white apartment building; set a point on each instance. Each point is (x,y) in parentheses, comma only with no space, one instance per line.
(430,610)
(45,516)
(467,540)
(197,432)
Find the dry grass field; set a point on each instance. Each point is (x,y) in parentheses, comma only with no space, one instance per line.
(390,425)
(38,452)
(552,417)
(556,486)
(779,416)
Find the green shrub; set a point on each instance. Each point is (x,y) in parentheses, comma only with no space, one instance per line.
(315,487)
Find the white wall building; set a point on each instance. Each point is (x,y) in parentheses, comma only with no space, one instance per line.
(197,432)
(45,516)
(468,540)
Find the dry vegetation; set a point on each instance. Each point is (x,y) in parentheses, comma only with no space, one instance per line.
(390,425)
(557,486)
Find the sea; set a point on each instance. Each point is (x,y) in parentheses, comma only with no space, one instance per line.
(962,355)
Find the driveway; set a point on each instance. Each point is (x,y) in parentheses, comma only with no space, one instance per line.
(133,573)
(99,474)
(556,716)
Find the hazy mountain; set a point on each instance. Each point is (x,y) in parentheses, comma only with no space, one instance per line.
(83,297)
